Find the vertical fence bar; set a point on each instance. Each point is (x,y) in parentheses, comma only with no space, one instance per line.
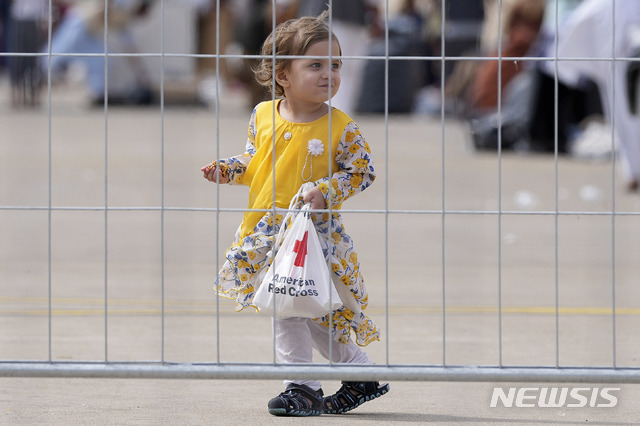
(217,226)
(162,183)
(106,180)
(556,192)
(49,183)
(613,191)
(443,64)
(386,183)
(273,160)
(330,174)
(499,217)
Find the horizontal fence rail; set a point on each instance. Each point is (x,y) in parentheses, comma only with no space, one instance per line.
(246,371)
(164,369)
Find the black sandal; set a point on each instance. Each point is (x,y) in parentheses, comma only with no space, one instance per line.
(352,395)
(297,401)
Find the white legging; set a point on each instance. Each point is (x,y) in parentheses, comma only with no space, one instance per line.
(296,338)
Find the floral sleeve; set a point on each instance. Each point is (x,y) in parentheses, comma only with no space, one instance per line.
(356,167)
(235,167)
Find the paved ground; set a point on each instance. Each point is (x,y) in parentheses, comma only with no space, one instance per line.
(499,271)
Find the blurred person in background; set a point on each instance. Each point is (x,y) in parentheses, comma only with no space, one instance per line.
(4,23)
(569,117)
(82,32)
(496,24)
(26,34)
(499,95)
(522,24)
(401,30)
(208,34)
(255,23)
(603,29)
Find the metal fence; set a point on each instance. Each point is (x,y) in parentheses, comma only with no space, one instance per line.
(605,309)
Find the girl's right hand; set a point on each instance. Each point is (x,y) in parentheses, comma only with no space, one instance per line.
(211,173)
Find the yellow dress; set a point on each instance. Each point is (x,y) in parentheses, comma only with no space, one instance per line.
(304,152)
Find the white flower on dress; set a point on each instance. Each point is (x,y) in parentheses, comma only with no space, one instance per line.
(315,147)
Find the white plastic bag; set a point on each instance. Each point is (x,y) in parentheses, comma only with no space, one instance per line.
(298,283)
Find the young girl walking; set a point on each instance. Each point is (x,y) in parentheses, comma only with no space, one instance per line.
(322,148)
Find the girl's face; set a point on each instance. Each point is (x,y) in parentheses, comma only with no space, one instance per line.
(307,79)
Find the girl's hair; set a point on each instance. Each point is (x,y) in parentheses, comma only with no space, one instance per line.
(292,37)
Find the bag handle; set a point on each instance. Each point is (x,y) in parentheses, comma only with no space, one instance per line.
(293,206)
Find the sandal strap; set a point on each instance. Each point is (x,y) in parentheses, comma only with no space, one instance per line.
(353,394)
(295,391)
(342,399)
(363,387)
(298,399)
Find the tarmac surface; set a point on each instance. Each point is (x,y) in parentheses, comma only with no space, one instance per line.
(524,259)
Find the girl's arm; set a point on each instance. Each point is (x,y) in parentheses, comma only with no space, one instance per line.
(356,171)
(227,170)
(231,170)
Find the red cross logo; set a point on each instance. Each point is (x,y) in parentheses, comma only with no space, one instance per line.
(300,247)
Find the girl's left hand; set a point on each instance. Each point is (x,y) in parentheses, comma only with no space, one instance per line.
(315,197)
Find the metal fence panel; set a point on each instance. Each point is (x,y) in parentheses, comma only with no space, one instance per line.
(482,265)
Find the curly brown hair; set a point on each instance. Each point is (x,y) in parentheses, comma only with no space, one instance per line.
(292,38)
